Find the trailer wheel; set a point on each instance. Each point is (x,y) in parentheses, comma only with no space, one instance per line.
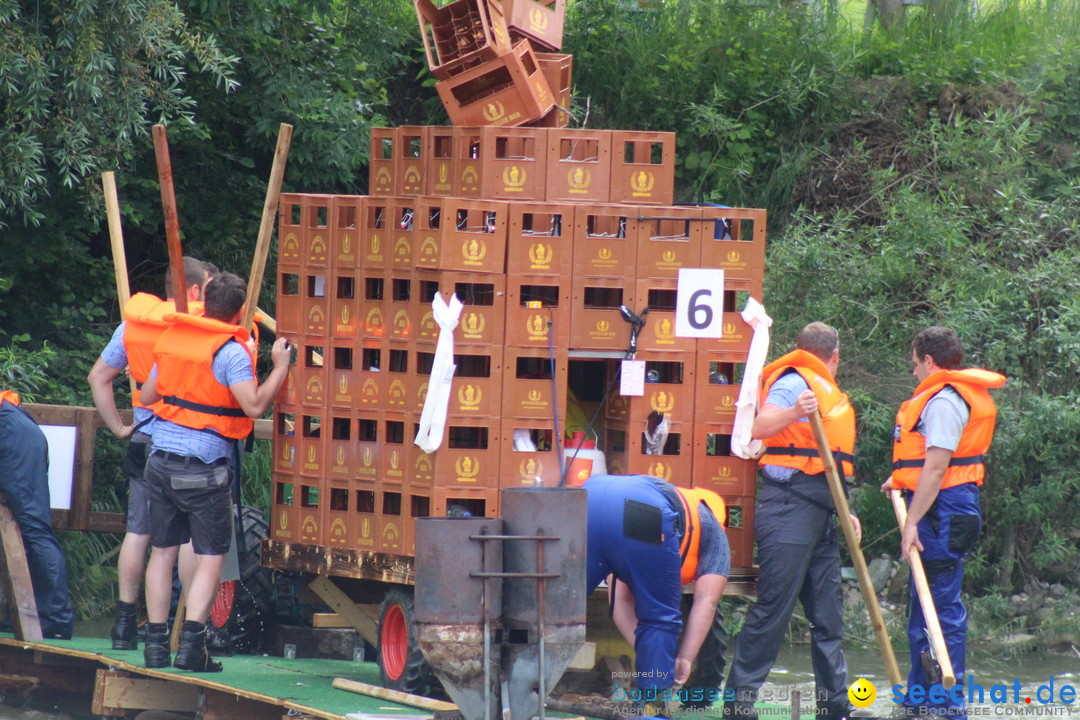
(243,610)
(401,664)
(708,672)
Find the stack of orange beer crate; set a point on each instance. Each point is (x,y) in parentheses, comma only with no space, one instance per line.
(543,234)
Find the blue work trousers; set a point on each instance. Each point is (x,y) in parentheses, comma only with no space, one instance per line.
(650,567)
(24,480)
(948,532)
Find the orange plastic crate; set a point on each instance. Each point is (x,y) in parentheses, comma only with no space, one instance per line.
(529,452)
(381,169)
(284,511)
(441,180)
(595,320)
(476,388)
(480,502)
(372,287)
(579,166)
(428,218)
(505,163)
(376,234)
(717,389)
(539,21)
(411,161)
(284,438)
(468,457)
(316,232)
(290,229)
(461,35)
(395,462)
(669,239)
(403,232)
(739,529)
(473,236)
(335,514)
(312,371)
(534,386)
(483,316)
(362,525)
(539,240)
(416,503)
(507,91)
(401,306)
(345,314)
(310,450)
(605,241)
(314,306)
(309,514)
(624,452)
(733,239)
(538,326)
(345,235)
(288,301)
(658,335)
(714,466)
(643,167)
(559,70)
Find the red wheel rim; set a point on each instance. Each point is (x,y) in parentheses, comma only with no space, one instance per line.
(223,602)
(395,642)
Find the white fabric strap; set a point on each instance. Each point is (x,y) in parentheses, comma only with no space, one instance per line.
(742,444)
(433,418)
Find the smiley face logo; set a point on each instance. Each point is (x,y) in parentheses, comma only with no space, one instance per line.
(862,693)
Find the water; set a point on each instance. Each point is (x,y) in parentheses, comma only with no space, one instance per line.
(1034,670)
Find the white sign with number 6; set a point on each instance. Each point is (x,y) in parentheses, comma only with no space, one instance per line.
(699,303)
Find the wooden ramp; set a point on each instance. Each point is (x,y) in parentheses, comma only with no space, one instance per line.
(113,683)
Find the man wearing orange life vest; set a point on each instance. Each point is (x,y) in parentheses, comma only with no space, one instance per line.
(132,347)
(24,482)
(205,379)
(651,538)
(796,533)
(942,436)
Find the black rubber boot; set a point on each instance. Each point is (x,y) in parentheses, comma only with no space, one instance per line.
(125,628)
(156,649)
(742,706)
(192,655)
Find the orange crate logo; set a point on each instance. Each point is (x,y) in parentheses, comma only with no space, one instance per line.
(412,177)
(473,252)
(402,251)
(395,396)
(318,249)
(540,256)
(536,328)
(664,332)
(343,394)
(383,179)
(367,462)
(662,401)
(290,248)
(346,246)
(473,325)
(467,469)
(538,22)
(313,390)
(375,251)
(661,470)
(316,320)
(514,179)
(374,322)
(642,183)
(337,531)
(579,179)
(309,528)
(494,111)
(469,397)
(529,469)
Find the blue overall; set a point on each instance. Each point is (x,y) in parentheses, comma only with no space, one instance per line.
(650,567)
(24,480)
(948,533)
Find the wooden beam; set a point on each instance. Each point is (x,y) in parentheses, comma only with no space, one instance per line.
(17,577)
(355,615)
(397,696)
(329,620)
(83,477)
(115,693)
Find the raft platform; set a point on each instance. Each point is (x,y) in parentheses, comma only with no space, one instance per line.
(93,678)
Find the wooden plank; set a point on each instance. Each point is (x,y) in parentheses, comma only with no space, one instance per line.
(338,562)
(110,522)
(97,703)
(120,692)
(83,480)
(17,577)
(397,696)
(329,620)
(354,614)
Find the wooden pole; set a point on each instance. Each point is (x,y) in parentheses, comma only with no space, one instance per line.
(116,239)
(403,698)
(266,227)
(172,222)
(926,598)
(844,515)
(16,577)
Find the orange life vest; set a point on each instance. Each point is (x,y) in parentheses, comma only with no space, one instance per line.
(794,446)
(191,395)
(10,396)
(968,461)
(691,540)
(144,321)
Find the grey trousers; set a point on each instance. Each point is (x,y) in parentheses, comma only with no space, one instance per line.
(798,559)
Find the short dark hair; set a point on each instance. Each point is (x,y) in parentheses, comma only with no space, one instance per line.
(819,339)
(940,343)
(225,297)
(195,273)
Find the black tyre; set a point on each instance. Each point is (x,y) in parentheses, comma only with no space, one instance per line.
(401,664)
(708,672)
(240,624)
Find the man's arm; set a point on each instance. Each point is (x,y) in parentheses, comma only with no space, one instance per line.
(772,419)
(707,592)
(100,380)
(926,492)
(255,398)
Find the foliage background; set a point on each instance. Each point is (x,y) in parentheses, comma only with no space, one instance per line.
(921,175)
